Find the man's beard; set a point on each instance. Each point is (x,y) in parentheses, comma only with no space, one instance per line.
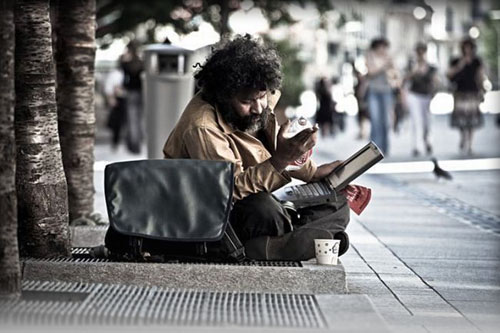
(250,124)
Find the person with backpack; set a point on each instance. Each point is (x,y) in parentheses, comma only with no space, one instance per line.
(232,119)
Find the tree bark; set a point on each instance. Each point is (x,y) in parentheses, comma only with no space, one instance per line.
(75,100)
(40,181)
(10,273)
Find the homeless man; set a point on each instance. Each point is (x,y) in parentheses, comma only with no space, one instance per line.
(231,119)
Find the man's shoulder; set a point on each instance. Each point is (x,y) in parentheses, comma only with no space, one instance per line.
(199,114)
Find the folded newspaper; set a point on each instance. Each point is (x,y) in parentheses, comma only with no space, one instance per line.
(358,197)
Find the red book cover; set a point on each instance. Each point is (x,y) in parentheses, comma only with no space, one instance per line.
(358,197)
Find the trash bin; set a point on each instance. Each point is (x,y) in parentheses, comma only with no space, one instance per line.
(169,86)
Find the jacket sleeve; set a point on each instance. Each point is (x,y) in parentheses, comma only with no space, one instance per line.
(207,143)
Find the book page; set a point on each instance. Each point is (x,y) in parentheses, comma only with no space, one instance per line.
(354,168)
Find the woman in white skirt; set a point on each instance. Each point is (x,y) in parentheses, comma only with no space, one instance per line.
(421,79)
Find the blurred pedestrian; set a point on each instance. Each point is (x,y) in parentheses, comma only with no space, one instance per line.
(324,114)
(115,100)
(422,83)
(467,76)
(360,92)
(382,80)
(338,96)
(132,67)
(400,108)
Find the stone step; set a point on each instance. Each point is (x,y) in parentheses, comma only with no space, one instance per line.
(306,277)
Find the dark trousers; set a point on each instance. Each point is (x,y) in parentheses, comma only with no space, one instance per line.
(268,231)
(117,119)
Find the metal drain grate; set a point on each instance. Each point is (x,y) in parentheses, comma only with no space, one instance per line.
(117,304)
(81,253)
(451,207)
(67,260)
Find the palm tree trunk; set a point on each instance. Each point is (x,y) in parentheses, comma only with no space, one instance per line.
(40,181)
(10,273)
(75,100)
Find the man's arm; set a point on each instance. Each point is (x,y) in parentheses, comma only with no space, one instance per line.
(207,143)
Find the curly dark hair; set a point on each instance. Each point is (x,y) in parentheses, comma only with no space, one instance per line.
(242,63)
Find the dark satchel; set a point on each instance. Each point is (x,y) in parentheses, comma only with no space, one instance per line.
(161,210)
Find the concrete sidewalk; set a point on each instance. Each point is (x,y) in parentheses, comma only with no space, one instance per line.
(425,254)
(423,270)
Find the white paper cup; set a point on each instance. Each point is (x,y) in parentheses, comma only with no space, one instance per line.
(327,251)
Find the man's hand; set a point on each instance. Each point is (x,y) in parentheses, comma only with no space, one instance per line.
(291,149)
(324,170)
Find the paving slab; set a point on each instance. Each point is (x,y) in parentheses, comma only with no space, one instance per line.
(447,324)
(483,314)
(461,292)
(389,266)
(351,313)
(354,266)
(428,304)
(406,284)
(309,278)
(467,272)
(366,284)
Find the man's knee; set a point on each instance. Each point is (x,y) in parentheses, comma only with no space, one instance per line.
(260,205)
(332,216)
(258,215)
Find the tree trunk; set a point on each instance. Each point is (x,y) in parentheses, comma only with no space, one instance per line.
(75,100)
(10,273)
(40,181)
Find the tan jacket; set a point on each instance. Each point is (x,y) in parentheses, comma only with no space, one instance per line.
(203,134)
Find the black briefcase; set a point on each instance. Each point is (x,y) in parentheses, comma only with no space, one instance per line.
(161,210)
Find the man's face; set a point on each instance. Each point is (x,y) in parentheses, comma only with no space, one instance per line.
(467,49)
(382,50)
(248,110)
(421,53)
